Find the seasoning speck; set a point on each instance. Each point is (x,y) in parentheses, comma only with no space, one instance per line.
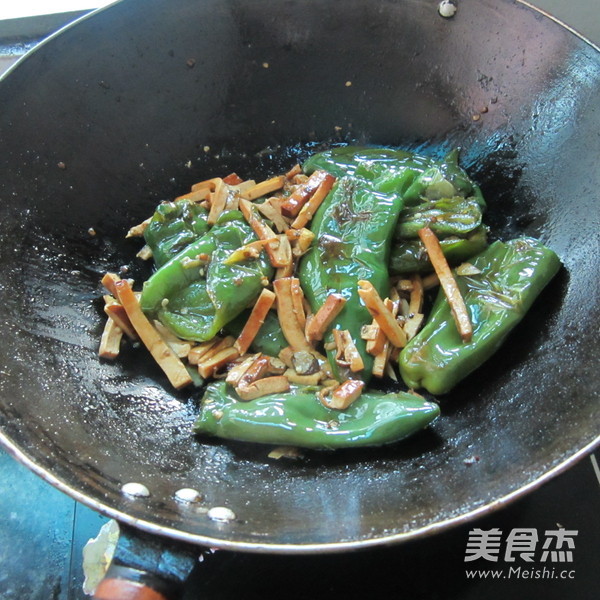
(348,83)
(221,514)
(206,148)
(265,65)
(61,165)
(471,460)
(188,495)
(447,9)
(91,231)
(136,490)
(190,62)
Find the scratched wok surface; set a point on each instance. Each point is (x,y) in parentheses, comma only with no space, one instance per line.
(133,104)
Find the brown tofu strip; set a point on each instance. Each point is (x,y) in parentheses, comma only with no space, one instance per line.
(381,313)
(218,200)
(322,319)
(310,207)
(448,283)
(255,321)
(257,370)
(416,295)
(138,230)
(295,170)
(263,387)
(271,211)
(377,344)
(291,207)
(108,281)
(233,179)
(298,301)
(278,255)
(110,342)
(117,313)
(288,319)
(344,395)
(346,353)
(264,187)
(236,372)
(161,352)
(211,365)
(196,196)
(208,184)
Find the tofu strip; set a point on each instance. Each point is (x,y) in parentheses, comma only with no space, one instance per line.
(161,352)
(448,283)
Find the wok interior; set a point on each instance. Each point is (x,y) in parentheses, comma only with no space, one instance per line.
(143,99)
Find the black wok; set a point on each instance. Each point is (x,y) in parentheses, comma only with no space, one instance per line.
(133,104)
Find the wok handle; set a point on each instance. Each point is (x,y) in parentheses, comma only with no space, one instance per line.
(126,583)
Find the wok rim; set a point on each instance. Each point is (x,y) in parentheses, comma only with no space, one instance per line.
(296,549)
(14,450)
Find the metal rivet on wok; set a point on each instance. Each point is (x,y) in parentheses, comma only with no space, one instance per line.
(137,490)
(188,495)
(447,9)
(221,514)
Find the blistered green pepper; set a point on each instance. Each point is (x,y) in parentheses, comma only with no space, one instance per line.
(345,160)
(196,293)
(298,418)
(456,216)
(353,230)
(174,226)
(431,179)
(512,274)
(410,256)
(354,226)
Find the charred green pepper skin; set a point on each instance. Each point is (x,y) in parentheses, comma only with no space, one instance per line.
(410,256)
(298,418)
(352,230)
(512,275)
(173,227)
(196,300)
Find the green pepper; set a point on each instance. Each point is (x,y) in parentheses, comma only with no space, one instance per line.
(345,160)
(410,256)
(512,275)
(174,226)
(353,233)
(195,293)
(298,418)
(431,179)
(455,216)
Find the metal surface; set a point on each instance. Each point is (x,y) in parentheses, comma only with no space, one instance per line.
(115,113)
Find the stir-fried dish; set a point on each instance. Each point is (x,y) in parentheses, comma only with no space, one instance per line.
(288,299)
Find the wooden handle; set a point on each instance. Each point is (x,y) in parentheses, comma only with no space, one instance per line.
(122,589)
(126,583)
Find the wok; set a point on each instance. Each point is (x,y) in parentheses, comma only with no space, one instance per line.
(134,103)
